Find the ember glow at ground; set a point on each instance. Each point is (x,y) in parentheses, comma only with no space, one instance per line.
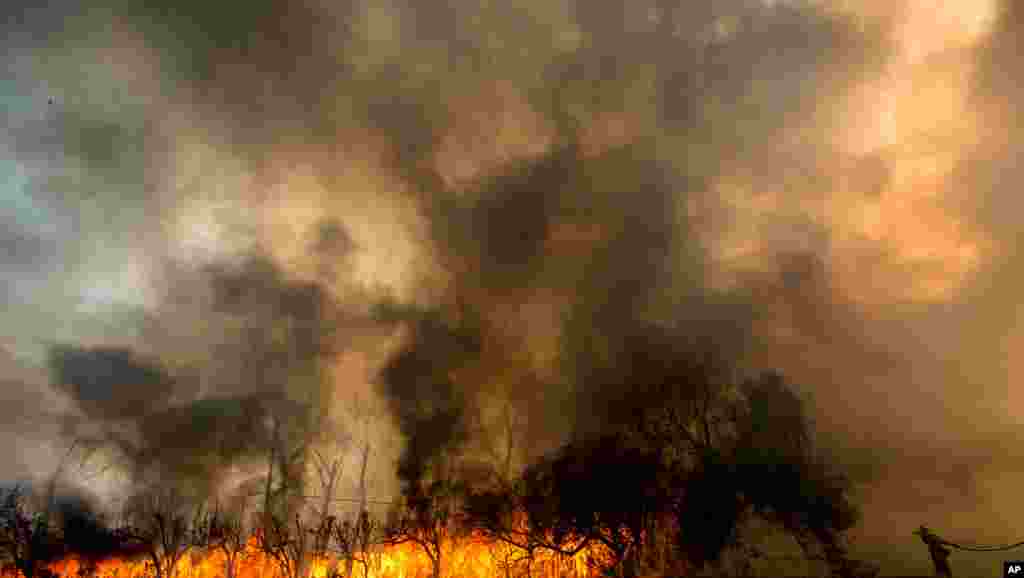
(473,559)
(826,189)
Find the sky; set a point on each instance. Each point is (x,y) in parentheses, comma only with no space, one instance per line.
(826,187)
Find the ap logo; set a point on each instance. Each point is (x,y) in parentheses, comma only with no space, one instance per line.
(1013,568)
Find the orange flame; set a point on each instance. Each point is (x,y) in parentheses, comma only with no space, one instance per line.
(473,557)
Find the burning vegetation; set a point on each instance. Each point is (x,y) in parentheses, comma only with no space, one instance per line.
(636,442)
(665,489)
(456,325)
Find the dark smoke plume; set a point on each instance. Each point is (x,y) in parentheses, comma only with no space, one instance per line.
(110,384)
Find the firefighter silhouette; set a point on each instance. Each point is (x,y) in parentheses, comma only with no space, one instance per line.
(938,551)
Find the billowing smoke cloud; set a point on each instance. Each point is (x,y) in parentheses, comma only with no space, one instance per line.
(169,415)
(578,251)
(110,383)
(551,196)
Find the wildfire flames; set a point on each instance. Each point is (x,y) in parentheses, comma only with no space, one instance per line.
(474,557)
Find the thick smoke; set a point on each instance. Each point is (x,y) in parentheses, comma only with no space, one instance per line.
(110,383)
(553,198)
(592,232)
(189,421)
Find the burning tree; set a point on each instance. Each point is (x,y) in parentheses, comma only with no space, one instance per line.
(347,539)
(286,542)
(166,524)
(562,505)
(228,531)
(284,535)
(572,489)
(430,519)
(328,470)
(354,541)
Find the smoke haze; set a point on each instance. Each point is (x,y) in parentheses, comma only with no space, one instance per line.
(458,226)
